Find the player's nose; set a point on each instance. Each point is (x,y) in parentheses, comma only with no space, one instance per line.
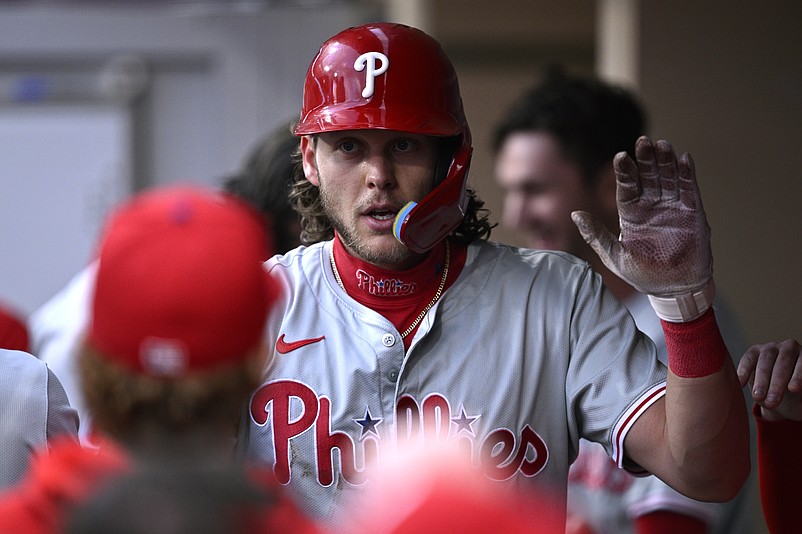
(379,172)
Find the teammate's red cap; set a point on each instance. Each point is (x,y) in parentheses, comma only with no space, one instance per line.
(180,283)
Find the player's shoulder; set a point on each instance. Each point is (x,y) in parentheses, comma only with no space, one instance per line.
(300,270)
(492,266)
(298,258)
(20,369)
(513,257)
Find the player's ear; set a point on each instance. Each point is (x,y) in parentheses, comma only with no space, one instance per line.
(308,147)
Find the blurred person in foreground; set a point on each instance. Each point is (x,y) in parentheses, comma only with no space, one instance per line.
(172,351)
(56,327)
(434,488)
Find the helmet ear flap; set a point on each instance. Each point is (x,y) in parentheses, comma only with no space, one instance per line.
(446,150)
(420,226)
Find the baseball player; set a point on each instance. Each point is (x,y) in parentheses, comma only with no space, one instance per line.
(170,355)
(401,324)
(773,372)
(34,409)
(34,412)
(553,150)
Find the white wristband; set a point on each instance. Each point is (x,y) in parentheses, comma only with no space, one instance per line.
(686,307)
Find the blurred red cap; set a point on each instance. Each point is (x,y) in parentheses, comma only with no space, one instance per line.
(180,284)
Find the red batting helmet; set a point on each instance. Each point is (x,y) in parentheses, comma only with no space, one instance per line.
(394,77)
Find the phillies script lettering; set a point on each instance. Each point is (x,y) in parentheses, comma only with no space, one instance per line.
(501,454)
(383,288)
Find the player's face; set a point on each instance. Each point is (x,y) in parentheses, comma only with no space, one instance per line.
(365,177)
(541,189)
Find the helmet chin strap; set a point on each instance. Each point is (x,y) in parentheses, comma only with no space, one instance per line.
(421,225)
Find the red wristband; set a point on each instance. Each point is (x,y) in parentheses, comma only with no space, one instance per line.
(696,348)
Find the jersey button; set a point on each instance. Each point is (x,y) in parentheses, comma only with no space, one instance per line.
(393,375)
(388,340)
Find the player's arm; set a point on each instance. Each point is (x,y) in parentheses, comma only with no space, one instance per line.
(773,372)
(62,418)
(696,438)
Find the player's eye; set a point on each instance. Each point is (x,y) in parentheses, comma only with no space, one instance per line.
(347,146)
(405,145)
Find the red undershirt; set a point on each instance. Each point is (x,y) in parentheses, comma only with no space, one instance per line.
(399,296)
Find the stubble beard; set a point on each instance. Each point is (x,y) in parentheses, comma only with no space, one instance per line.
(358,245)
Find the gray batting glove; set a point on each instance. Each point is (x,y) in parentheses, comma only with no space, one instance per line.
(664,246)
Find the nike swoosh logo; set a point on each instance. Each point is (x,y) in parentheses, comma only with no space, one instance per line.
(283,347)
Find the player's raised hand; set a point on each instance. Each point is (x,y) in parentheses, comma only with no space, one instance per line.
(664,246)
(774,374)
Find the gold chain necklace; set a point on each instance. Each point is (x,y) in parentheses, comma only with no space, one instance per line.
(428,307)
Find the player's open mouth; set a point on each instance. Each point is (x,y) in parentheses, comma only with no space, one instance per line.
(382,215)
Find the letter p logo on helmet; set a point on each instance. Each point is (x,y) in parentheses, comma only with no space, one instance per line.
(367,62)
(350,86)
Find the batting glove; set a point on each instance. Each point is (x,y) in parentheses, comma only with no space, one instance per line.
(664,246)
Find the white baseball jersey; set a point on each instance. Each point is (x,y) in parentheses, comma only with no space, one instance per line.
(609,499)
(33,411)
(56,329)
(524,354)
